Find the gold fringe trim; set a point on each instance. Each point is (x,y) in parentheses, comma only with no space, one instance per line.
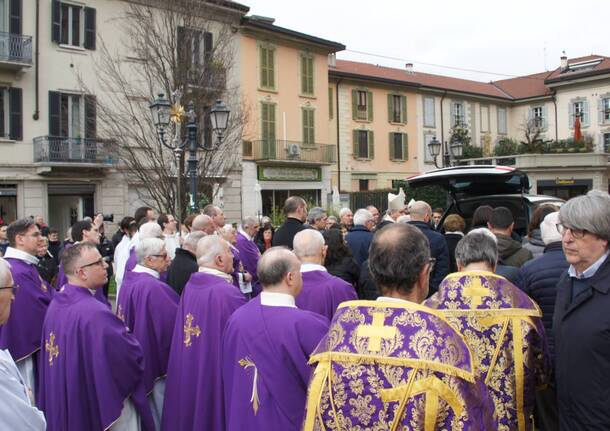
(506,312)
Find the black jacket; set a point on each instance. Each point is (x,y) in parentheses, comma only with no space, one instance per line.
(540,277)
(346,269)
(582,352)
(439,251)
(181,268)
(359,240)
(368,287)
(452,241)
(286,232)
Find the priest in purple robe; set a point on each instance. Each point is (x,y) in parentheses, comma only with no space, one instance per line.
(249,254)
(148,307)
(21,333)
(265,349)
(502,326)
(91,368)
(394,364)
(322,292)
(193,391)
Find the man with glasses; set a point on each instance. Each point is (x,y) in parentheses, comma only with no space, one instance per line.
(148,307)
(249,254)
(21,333)
(17,410)
(581,321)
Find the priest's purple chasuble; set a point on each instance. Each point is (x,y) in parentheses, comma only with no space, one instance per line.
(264,366)
(193,390)
(249,254)
(395,366)
(322,293)
(504,330)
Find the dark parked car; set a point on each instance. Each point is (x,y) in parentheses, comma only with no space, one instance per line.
(472,186)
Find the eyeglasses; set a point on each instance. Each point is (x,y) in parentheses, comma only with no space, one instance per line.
(576,233)
(15,287)
(164,256)
(99,262)
(432,262)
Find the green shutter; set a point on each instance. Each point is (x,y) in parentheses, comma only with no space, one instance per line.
(308,126)
(263,55)
(391,147)
(403,109)
(303,74)
(310,75)
(369,103)
(405,146)
(390,108)
(371,142)
(271,69)
(354,104)
(330,103)
(355,143)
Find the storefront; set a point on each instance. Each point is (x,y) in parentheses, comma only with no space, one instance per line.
(564,188)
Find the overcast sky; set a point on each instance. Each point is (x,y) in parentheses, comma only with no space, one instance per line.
(515,37)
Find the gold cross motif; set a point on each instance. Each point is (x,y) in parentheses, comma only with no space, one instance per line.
(51,348)
(434,389)
(376,332)
(476,292)
(189,330)
(247,363)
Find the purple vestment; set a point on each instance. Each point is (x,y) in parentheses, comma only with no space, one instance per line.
(193,389)
(264,365)
(504,329)
(395,365)
(249,254)
(21,333)
(148,307)
(89,365)
(322,293)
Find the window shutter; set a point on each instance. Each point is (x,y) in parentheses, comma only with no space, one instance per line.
(354,104)
(369,102)
(208,46)
(90,117)
(600,111)
(330,103)
(355,143)
(55,21)
(181,47)
(271,68)
(303,75)
(390,108)
(403,109)
(585,111)
(272,121)
(15,17)
(54,113)
(16,113)
(545,117)
(405,146)
(89,28)
(571,115)
(263,60)
(453,112)
(391,146)
(371,142)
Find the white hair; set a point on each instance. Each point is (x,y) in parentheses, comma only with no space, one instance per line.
(209,247)
(362,216)
(405,218)
(249,221)
(484,231)
(150,229)
(307,243)
(191,240)
(149,247)
(419,210)
(5,270)
(226,229)
(344,211)
(548,228)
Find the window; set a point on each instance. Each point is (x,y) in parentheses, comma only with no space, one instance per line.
(362,105)
(72,115)
(195,49)
(502,121)
(429,113)
(267,67)
(330,103)
(73,25)
(579,107)
(306,74)
(363,144)
(538,117)
(11,115)
(363,185)
(427,156)
(484,118)
(268,129)
(457,114)
(605,110)
(397,108)
(308,126)
(606,142)
(10,17)
(398,146)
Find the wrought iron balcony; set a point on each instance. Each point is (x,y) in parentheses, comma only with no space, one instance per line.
(15,50)
(289,151)
(55,150)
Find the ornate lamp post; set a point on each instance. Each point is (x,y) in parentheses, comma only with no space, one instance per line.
(163,113)
(450,154)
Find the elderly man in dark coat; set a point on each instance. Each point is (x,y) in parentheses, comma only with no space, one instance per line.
(360,236)
(581,322)
(185,262)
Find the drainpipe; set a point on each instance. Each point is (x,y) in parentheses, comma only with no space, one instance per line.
(555,103)
(443,130)
(338,146)
(36,115)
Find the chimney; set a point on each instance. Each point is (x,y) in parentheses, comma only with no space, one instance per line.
(564,62)
(409,68)
(332,59)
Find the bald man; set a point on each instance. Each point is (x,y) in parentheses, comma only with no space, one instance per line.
(203,223)
(322,293)
(266,346)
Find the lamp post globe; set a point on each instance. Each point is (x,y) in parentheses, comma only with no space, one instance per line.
(456,148)
(160,110)
(434,146)
(219,118)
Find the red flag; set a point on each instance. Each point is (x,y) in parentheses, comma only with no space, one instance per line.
(577,132)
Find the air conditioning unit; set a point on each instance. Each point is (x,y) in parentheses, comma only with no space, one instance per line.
(294,150)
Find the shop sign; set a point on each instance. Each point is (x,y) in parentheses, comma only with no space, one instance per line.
(286,173)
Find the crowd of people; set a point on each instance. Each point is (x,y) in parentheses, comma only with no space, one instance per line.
(408,320)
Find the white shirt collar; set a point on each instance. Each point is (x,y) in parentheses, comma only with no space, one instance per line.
(21,255)
(308,267)
(144,270)
(244,233)
(276,299)
(590,271)
(389,299)
(217,273)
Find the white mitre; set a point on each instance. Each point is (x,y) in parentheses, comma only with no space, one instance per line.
(396,202)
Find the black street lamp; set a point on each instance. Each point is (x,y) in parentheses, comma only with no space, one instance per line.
(451,153)
(163,113)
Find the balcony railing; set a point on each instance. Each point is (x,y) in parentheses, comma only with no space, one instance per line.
(290,151)
(15,49)
(70,151)
(547,160)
